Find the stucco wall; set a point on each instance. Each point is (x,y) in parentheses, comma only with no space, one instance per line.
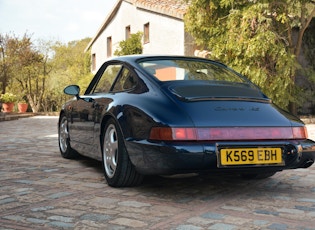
(166,33)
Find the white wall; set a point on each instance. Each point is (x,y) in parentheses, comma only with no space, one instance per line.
(166,33)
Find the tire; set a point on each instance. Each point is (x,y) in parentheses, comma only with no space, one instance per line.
(64,139)
(118,169)
(253,176)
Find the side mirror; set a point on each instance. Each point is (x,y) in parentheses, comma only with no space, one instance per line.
(72,90)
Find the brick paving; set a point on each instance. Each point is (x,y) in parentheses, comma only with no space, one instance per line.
(41,190)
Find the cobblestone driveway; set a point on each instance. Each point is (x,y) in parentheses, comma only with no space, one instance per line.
(41,190)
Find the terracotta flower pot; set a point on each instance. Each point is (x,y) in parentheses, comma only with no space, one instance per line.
(8,107)
(22,107)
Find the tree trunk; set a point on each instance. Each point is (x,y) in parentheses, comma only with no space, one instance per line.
(293,108)
(298,47)
(34,104)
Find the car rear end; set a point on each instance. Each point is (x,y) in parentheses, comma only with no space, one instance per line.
(233,126)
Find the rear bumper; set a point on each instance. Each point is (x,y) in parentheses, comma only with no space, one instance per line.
(172,158)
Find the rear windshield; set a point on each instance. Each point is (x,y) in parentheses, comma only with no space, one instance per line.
(190,69)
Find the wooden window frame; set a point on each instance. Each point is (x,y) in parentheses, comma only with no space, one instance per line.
(146,33)
(109,46)
(127,32)
(93,61)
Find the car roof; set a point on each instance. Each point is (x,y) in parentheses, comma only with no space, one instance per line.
(136,57)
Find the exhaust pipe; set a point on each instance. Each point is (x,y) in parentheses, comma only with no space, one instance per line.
(307,163)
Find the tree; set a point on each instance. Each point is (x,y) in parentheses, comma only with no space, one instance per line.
(308,70)
(45,49)
(28,71)
(132,45)
(40,71)
(21,69)
(255,38)
(4,63)
(70,66)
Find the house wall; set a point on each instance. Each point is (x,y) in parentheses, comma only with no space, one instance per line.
(166,33)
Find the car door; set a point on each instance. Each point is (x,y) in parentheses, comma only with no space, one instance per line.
(81,125)
(124,82)
(86,110)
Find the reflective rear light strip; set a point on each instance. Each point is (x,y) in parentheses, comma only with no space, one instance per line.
(227,133)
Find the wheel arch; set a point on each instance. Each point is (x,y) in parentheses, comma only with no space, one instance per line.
(125,174)
(104,121)
(102,131)
(62,112)
(64,138)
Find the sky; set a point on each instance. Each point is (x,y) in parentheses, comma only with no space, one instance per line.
(55,20)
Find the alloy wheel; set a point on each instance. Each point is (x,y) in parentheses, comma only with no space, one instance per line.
(110,151)
(63,134)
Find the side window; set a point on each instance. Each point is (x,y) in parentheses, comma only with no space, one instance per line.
(126,81)
(107,79)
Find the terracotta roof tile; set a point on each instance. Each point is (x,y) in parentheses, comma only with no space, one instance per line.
(174,8)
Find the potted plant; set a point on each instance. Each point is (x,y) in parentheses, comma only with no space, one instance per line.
(7,100)
(22,106)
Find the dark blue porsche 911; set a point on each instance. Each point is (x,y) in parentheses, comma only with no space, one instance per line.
(161,115)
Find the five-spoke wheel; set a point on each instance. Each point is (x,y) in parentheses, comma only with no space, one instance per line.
(110,153)
(64,139)
(118,169)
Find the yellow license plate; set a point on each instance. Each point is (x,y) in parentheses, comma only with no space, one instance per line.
(250,156)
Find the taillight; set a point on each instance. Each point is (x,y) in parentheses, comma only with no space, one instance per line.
(299,132)
(227,133)
(185,133)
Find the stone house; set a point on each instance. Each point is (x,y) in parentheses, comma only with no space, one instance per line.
(160,21)
(162,25)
